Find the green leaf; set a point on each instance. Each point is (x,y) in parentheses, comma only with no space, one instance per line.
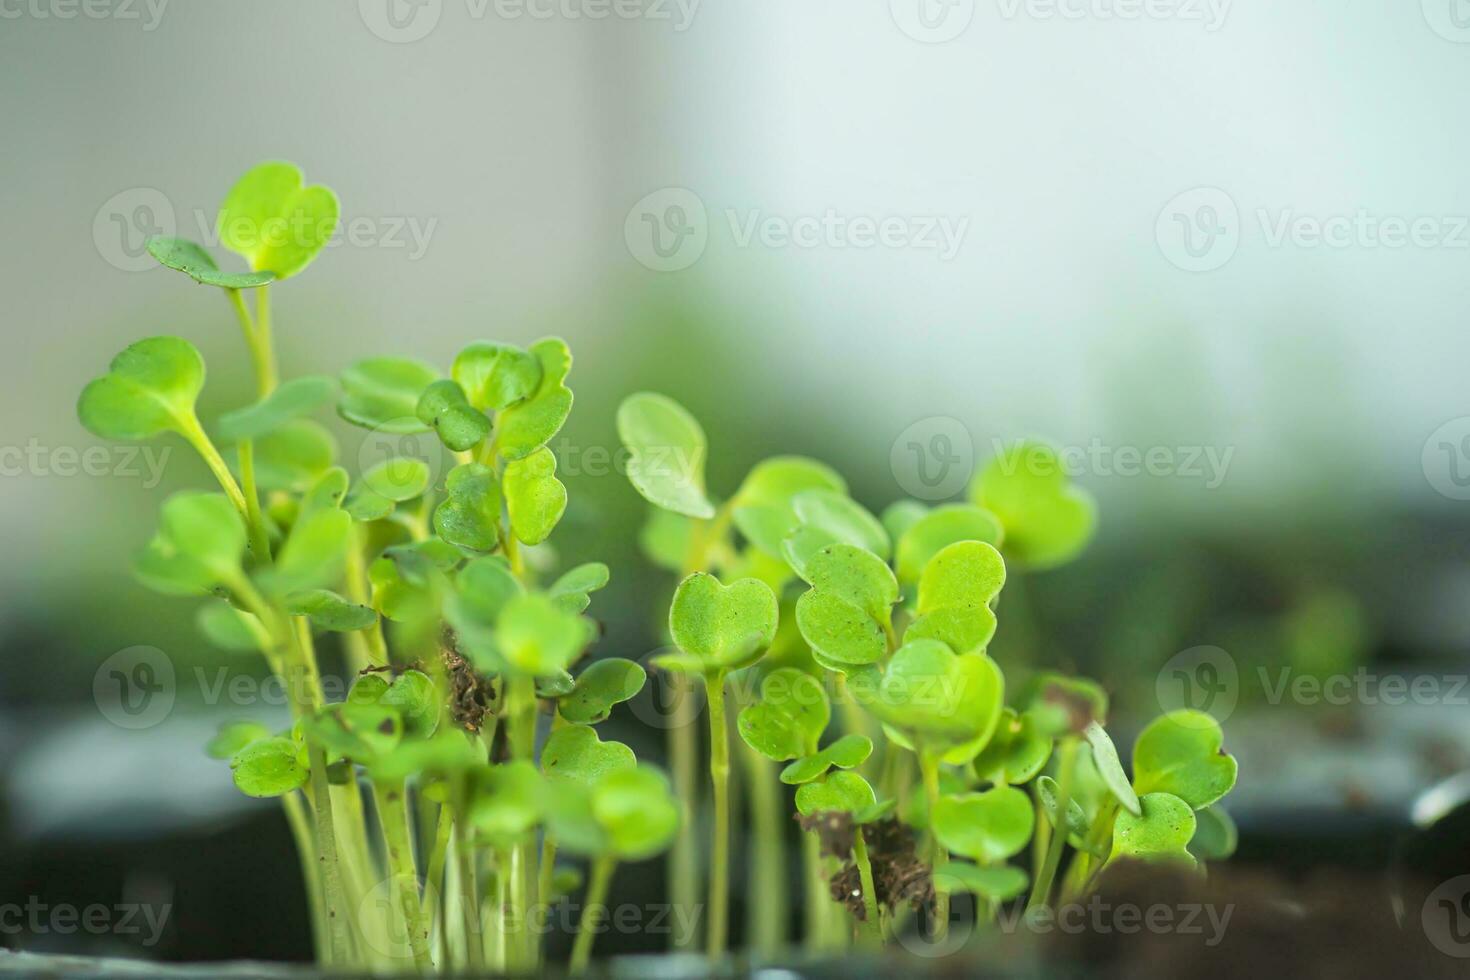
(276,222)
(528,425)
(826,517)
(495,376)
(293,399)
(230,628)
(576,753)
(199,545)
(1215,835)
(1182,754)
(268,767)
(314,554)
(294,457)
(366,506)
(460,425)
(840,792)
(986,827)
(356,730)
(1016,752)
(449,751)
(997,884)
(636,811)
(1105,758)
(955,591)
(603,684)
(1047,521)
(414,696)
(571,590)
(899,516)
(536,638)
(233,737)
(470,517)
(150,388)
(397,479)
(534,497)
(1161,832)
(1077,825)
(484,586)
(848,752)
(325,494)
(789,718)
(193,261)
(1067,704)
(508,802)
(666,539)
(762,507)
(724,627)
(841,635)
(939,698)
(382,393)
(667,453)
(855,576)
(329,611)
(938,529)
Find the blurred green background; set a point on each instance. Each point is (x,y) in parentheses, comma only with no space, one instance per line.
(1135,270)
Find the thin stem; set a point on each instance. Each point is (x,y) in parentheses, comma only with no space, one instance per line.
(195,435)
(766,895)
(469,897)
(938,855)
(339,946)
(593,908)
(263,350)
(684,861)
(392,804)
(306,850)
(254,524)
(873,924)
(1067,768)
(719,768)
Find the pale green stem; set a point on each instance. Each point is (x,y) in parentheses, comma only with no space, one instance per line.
(254,523)
(306,850)
(766,894)
(592,910)
(1067,767)
(873,924)
(264,348)
(195,435)
(469,898)
(392,807)
(816,893)
(938,855)
(719,768)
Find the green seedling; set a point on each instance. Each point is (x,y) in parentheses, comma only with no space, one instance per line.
(463,760)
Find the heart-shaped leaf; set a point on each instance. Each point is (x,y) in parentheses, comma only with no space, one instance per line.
(899,516)
(1182,754)
(528,425)
(575,752)
(291,400)
(268,767)
(1215,835)
(329,611)
(841,792)
(940,698)
(1105,758)
(986,827)
(382,393)
(537,638)
(997,884)
(470,517)
(570,591)
(955,591)
(294,456)
(789,718)
(603,684)
(495,376)
(841,635)
(826,517)
(938,529)
(1062,704)
(848,752)
(1161,832)
(667,453)
(534,497)
(276,222)
(193,261)
(762,507)
(444,407)
(1016,751)
(1047,521)
(723,627)
(414,696)
(199,546)
(355,730)
(150,388)
(234,736)
(399,478)
(636,811)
